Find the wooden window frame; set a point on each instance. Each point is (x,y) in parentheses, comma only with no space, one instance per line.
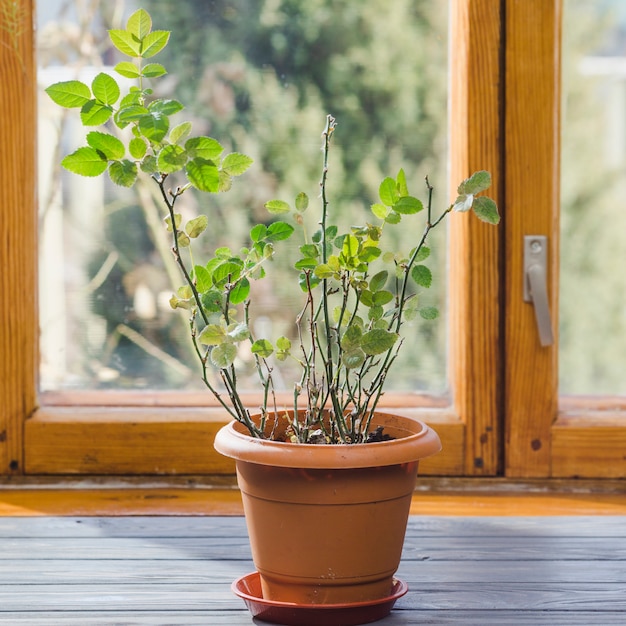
(494,125)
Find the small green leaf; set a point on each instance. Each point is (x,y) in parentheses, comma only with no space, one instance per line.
(224,355)
(180,132)
(105,89)
(236,164)
(302,202)
(69,94)
(202,277)
(203,175)
(258,233)
(239,332)
(352,337)
(325,271)
(109,145)
(422,275)
(377,341)
(171,159)
(183,240)
(154,42)
(423,253)
(139,23)
(393,218)
(283,343)
(429,312)
(486,209)
(380,211)
(177,220)
(306,263)
(240,292)
(154,126)
(378,281)
(95,113)
(212,335)
(130,114)
(225,181)
(153,70)
(262,348)
(277,206)
(353,358)
(125,42)
(401,185)
(123,173)
(149,165)
(310,250)
(279,231)
(212,300)
(196,226)
(127,69)
(380,298)
(408,205)
(477,182)
(204,147)
(165,107)
(86,162)
(137,148)
(388,192)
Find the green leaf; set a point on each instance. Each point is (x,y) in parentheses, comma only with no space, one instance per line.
(258,232)
(212,335)
(306,263)
(154,42)
(154,126)
(353,358)
(350,247)
(477,182)
(422,275)
(168,222)
(139,23)
(380,210)
(180,132)
(325,271)
(377,341)
(110,146)
(375,313)
(203,278)
(224,355)
(226,271)
(277,206)
(137,148)
(86,162)
(302,202)
(283,343)
(203,174)
(262,348)
(153,70)
(95,113)
(171,158)
(388,192)
(380,298)
(240,292)
(393,218)
(165,107)
(196,226)
(352,337)
(149,165)
(310,250)
(123,173)
(105,89)
(69,94)
(279,231)
(225,181)
(401,185)
(378,281)
(125,42)
(424,253)
(212,300)
(408,205)
(204,147)
(236,164)
(127,69)
(429,312)
(486,209)
(239,332)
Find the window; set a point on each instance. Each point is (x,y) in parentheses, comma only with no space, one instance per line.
(505,417)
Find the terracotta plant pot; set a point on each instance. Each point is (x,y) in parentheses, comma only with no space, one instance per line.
(327,522)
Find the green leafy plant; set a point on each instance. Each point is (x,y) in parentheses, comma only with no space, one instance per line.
(357,295)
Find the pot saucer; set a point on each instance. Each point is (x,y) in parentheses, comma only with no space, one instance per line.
(248,588)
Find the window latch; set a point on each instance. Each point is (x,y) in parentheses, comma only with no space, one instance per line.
(536,284)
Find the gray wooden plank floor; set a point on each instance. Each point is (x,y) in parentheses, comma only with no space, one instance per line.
(177,571)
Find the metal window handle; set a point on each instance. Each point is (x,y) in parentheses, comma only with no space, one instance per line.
(536,284)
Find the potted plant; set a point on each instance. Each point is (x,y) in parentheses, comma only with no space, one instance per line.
(326,477)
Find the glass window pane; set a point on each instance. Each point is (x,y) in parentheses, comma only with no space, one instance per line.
(592,353)
(261,76)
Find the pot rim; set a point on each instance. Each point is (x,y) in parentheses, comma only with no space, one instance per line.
(420,442)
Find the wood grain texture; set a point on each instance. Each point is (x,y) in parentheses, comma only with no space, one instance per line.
(169,441)
(18,235)
(149,571)
(474,305)
(532,196)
